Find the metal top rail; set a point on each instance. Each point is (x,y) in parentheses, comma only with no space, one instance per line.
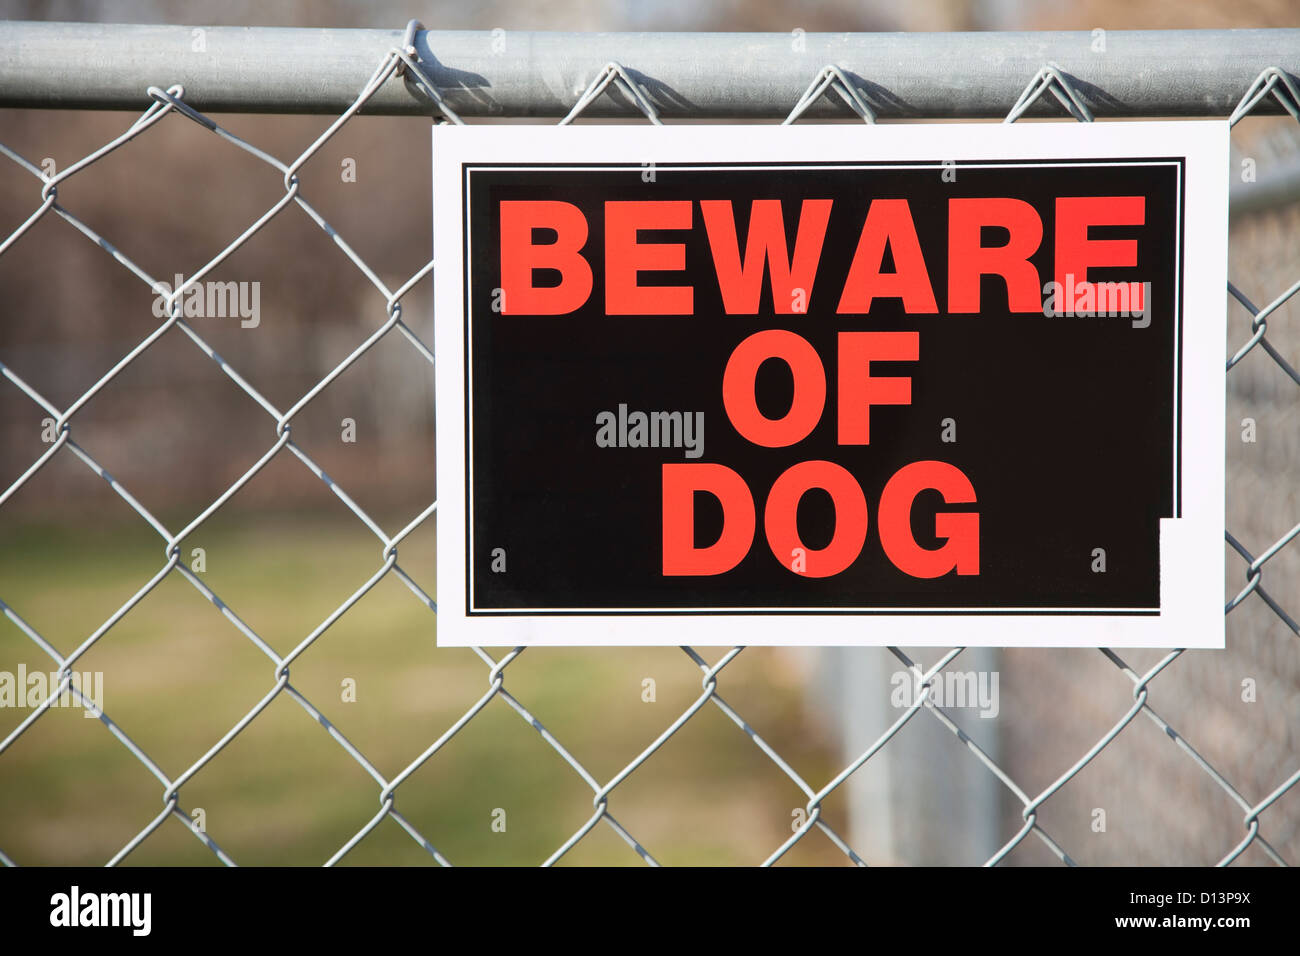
(685,75)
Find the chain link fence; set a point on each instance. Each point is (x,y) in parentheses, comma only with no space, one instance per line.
(1260,806)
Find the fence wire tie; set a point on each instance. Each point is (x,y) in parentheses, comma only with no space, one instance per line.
(613,73)
(408,44)
(830,78)
(1052,78)
(1272,80)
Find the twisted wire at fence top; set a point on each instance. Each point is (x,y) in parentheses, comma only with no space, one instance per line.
(401,61)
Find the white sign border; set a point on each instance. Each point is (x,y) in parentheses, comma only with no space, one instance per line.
(1192,612)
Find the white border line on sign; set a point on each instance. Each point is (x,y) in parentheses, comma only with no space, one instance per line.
(1051,610)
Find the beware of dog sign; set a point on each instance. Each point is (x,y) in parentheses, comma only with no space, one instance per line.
(952,384)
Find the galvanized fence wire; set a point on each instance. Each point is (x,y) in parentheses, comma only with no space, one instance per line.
(401,64)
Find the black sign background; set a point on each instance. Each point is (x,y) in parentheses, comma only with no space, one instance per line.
(1065,426)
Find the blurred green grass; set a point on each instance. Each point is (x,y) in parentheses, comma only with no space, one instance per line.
(178,675)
